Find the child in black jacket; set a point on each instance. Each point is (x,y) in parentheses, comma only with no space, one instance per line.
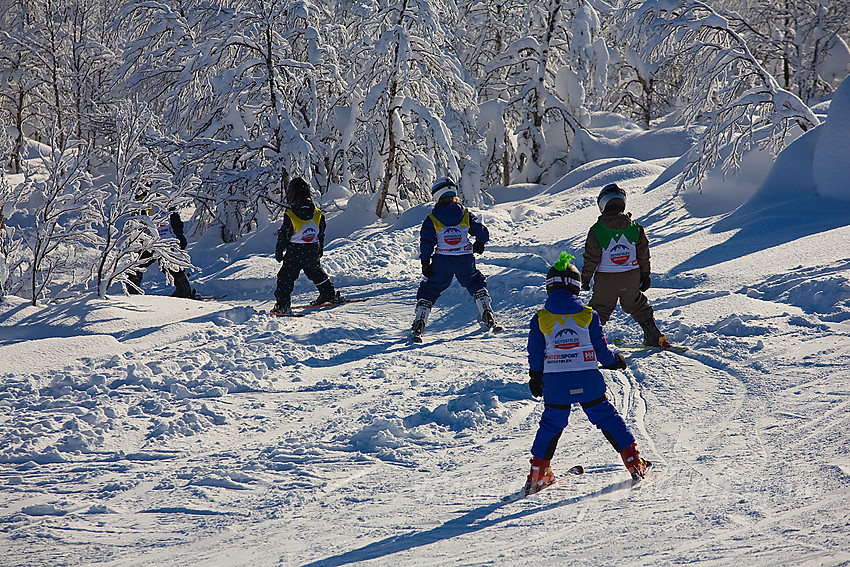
(300,244)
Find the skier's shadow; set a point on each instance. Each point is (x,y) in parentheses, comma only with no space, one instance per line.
(392,346)
(473,521)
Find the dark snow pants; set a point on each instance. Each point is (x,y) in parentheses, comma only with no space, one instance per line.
(304,257)
(447,268)
(622,287)
(182,287)
(600,412)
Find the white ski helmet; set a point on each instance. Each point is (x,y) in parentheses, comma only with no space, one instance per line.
(609,193)
(443,187)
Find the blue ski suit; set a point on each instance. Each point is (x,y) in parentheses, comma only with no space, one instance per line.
(448,266)
(584,385)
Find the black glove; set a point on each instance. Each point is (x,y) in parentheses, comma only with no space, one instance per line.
(427,268)
(619,364)
(278,255)
(536,383)
(478,247)
(585,285)
(645,281)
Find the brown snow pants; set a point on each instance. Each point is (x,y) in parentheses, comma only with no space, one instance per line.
(622,287)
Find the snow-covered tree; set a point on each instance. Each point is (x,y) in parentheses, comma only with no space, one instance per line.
(547,76)
(136,182)
(90,63)
(484,29)
(10,243)
(49,45)
(641,88)
(722,83)
(239,86)
(63,204)
(414,93)
(793,39)
(21,78)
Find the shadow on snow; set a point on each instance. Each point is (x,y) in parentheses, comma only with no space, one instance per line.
(472,521)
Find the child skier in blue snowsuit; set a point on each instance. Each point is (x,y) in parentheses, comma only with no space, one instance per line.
(565,344)
(446,252)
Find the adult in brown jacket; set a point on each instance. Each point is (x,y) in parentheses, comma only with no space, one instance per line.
(616,257)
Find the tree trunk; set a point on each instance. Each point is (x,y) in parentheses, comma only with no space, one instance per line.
(390,164)
(506,163)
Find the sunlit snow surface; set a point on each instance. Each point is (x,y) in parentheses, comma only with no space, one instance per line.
(149,430)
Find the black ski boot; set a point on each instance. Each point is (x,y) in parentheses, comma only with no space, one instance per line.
(652,335)
(281,310)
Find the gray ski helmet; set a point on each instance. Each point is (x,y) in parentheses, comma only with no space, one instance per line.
(443,187)
(610,193)
(563,275)
(298,190)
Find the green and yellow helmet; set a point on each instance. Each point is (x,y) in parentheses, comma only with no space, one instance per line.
(563,275)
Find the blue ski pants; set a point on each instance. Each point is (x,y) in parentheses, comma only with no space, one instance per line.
(445,269)
(600,412)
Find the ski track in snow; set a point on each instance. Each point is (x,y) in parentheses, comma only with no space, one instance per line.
(231,438)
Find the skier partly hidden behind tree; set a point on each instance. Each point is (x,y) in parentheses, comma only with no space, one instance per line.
(446,252)
(300,245)
(616,256)
(169,225)
(565,343)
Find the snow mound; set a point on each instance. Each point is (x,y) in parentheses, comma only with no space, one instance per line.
(832,150)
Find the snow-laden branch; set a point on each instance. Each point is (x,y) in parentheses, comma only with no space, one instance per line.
(64,217)
(138,183)
(722,83)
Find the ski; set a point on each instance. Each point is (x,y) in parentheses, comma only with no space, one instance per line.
(577,470)
(637,481)
(212,297)
(330,304)
(282,315)
(621,343)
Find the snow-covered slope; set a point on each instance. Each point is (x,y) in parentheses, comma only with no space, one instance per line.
(150,431)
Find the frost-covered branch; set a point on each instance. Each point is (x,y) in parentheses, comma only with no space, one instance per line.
(64,216)
(722,83)
(136,183)
(11,245)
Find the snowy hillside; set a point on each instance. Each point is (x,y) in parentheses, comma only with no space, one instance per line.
(157,431)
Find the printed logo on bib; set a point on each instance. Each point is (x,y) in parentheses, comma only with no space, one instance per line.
(620,254)
(165,231)
(566,339)
(452,236)
(309,234)
(569,347)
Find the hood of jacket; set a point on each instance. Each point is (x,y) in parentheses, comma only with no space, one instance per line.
(304,210)
(615,219)
(449,214)
(563,302)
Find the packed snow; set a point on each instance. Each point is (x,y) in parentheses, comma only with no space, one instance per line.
(150,430)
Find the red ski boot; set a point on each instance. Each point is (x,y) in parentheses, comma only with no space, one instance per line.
(541,476)
(634,462)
